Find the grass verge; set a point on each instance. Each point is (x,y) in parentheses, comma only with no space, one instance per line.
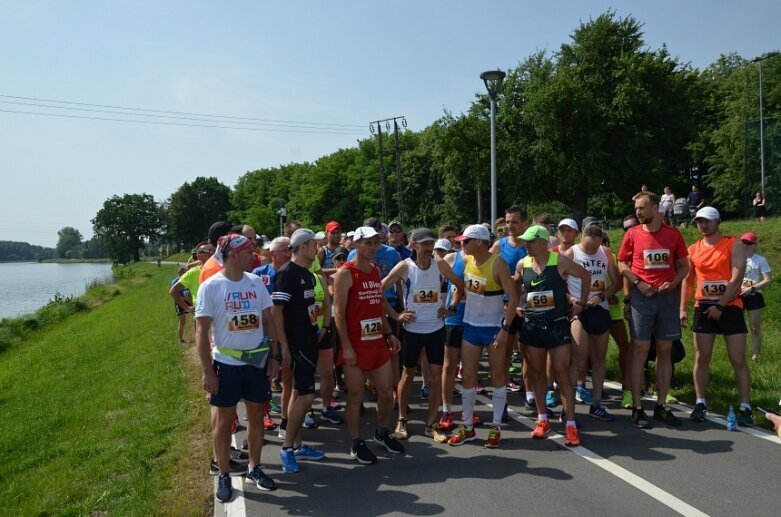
(102,413)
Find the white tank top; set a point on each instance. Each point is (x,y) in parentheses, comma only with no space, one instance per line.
(424,298)
(596,265)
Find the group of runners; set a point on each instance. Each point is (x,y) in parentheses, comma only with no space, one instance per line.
(364,307)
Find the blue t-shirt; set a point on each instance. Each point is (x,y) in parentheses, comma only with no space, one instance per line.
(385,260)
(511,254)
(268,275)
(404,252)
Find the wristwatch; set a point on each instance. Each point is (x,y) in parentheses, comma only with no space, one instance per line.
(636,281)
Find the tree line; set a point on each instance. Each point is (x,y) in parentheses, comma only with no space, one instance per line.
(578,131)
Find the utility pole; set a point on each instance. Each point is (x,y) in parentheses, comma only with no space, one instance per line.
(382,163)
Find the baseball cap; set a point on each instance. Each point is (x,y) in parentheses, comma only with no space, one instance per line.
(350,235)
(320,236)
(365,232)
(340,251)
(568,222)
(749,237)
(333,226)
(708,212)
(395,223)
(442,244)
(422,235)
(588,221)
(475,231)
(538,232)
(374,223)
(301,236)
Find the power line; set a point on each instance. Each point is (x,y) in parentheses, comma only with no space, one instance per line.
(182,112)
(131,121)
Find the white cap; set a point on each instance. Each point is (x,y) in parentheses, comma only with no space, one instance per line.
(569,222)
(364,232)
(475,231)
(442,244)
(350,235)
(320,236)
(707,212)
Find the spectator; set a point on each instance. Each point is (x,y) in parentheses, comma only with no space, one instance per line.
(756,277)
(759,207)
(696,201)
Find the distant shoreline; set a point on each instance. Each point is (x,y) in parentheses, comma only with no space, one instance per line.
(57,261)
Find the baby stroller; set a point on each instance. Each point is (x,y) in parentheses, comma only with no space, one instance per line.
(682,212)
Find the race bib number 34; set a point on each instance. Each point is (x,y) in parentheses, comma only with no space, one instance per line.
(656,259)
(248,321)
(371,329)
(425,295)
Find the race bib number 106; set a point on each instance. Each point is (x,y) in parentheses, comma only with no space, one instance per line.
(656,259)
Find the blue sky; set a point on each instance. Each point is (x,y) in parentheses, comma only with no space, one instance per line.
(345,63)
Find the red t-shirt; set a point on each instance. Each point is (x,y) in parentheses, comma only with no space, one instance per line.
(653,254)
(364,311)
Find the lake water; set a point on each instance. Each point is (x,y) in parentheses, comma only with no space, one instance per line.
(28,286)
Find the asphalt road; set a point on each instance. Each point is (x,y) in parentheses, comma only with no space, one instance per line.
(697,469)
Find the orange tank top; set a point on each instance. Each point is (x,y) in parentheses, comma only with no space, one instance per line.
(713,267)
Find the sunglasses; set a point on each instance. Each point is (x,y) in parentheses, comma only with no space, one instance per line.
(395,231)
(747,243)
(501,228)
(205,251)
(465,242)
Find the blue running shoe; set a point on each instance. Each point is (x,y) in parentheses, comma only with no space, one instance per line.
(224,489)
(331,415)
(563,419)
(289,463)
(597,411)
(309,421)
(551,399)
(274,409)
(583,395)
(425,391)
(307,452)
(260,479)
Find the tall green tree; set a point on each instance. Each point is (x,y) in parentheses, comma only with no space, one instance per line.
(69,239)
(194,207)
(124,223)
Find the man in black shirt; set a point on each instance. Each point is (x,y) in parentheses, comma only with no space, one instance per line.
(295,319)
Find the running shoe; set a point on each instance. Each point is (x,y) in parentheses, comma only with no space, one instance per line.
(331,415)
(309,421)
(551,400)
(476,420)
(281,434)
(276,386)
(458,373)
(244,444)
(340,388)
(236,454)
(463,435)
(665,414)
(307,452)
(573,437)
(425,391)
(494,438)
(513,387)
(530,408)
(639,419)
(274,409)
(224,489)
(261,480)
(745,417)
(268,423)
(698,413)
(669,399)
(389,441)
(335,404)
(401,432)
(288,459)
(512,369)
(542,429)
(583,396)
(563,419)
(626,400)
(446,422)
(363,454)
(236,426)
(479,388)
(516,357)
(234,467)
(599,412)
(436,433)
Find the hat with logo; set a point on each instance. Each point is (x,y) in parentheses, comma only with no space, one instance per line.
(475,231)
(302,236)
(568,222)
(365,232)
(537,232)
(708,213)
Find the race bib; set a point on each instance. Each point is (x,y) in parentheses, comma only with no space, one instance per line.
(315,311)
(371,329)
(747,282)
(539,301)
(597,284)
(714,290)
(656,259)
(247,321)
(474,284)
(425,295)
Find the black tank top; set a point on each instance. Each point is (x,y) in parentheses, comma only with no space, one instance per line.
(546,293)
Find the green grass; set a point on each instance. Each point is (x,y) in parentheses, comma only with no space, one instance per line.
(99,410)
(766,374)
(179,257)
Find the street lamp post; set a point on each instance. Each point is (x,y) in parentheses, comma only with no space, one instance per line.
(762,121)
(493,83)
